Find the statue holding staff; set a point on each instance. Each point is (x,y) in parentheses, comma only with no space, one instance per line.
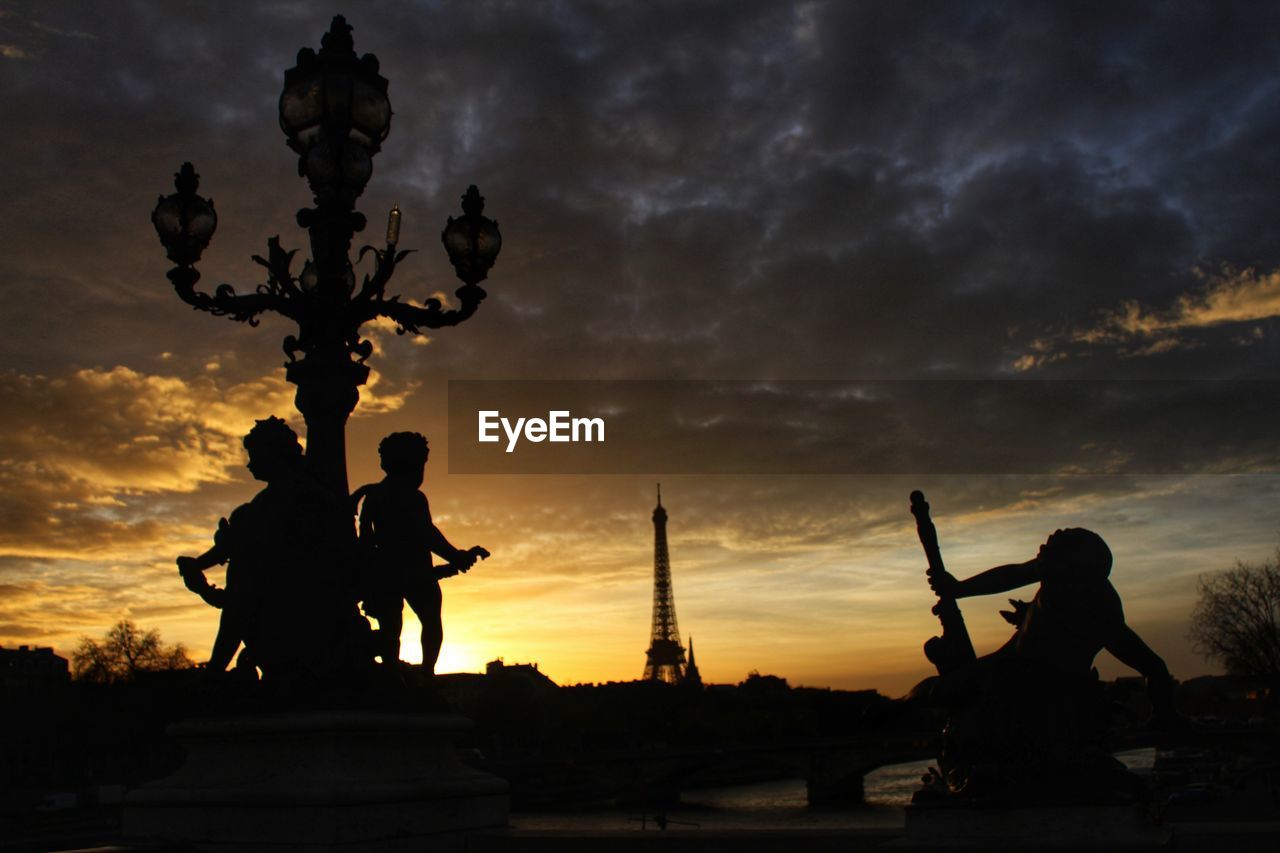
(1029,718)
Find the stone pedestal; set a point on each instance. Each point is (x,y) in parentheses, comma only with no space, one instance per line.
(336,780)
(970,827)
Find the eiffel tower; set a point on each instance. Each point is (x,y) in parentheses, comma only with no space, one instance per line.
(665,657)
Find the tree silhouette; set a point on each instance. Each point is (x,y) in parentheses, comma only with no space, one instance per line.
(1237,618)
(123,653)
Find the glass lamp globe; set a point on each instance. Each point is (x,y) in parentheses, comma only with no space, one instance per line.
(472,240)
(184,221)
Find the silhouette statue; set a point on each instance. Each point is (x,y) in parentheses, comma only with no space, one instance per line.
(287,598)
(1027,723)
(397,539)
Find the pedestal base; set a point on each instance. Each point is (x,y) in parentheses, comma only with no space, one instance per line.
(318,781)
(961,827)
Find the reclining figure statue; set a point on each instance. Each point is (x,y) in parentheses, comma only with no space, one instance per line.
(1027,722)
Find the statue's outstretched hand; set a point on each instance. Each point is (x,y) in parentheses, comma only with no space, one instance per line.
(214,596)
(470,556)
(462,562)
(192,577)
(1015,616)
(943,584)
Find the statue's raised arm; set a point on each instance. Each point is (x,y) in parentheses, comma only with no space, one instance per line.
(953,649)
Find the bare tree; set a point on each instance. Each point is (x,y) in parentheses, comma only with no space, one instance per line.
(123,653)
(1237,618)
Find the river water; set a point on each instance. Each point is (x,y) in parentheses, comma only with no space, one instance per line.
(779,804)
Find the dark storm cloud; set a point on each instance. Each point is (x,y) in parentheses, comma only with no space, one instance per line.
(831,187)
(756,190)
(694,187)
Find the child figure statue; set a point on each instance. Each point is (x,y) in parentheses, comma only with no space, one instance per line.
(397,539)
(287,596)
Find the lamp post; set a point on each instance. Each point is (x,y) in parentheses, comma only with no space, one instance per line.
(335,113)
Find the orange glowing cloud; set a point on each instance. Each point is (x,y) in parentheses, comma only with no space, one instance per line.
(1229,297)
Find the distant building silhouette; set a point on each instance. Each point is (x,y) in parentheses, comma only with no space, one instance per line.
(25,671)
(664,659)
(499,669)
(692,677)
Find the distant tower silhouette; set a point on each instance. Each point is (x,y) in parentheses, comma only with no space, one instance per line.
(692,677)
(665,657)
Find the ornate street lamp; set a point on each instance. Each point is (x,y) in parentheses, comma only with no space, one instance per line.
(335,112)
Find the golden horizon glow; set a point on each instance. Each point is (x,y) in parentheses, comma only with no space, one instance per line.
(574,597)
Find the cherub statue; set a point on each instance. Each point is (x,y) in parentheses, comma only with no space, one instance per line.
(289,597)
(397,539)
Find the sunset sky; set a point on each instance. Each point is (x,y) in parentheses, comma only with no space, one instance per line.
(741,190)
